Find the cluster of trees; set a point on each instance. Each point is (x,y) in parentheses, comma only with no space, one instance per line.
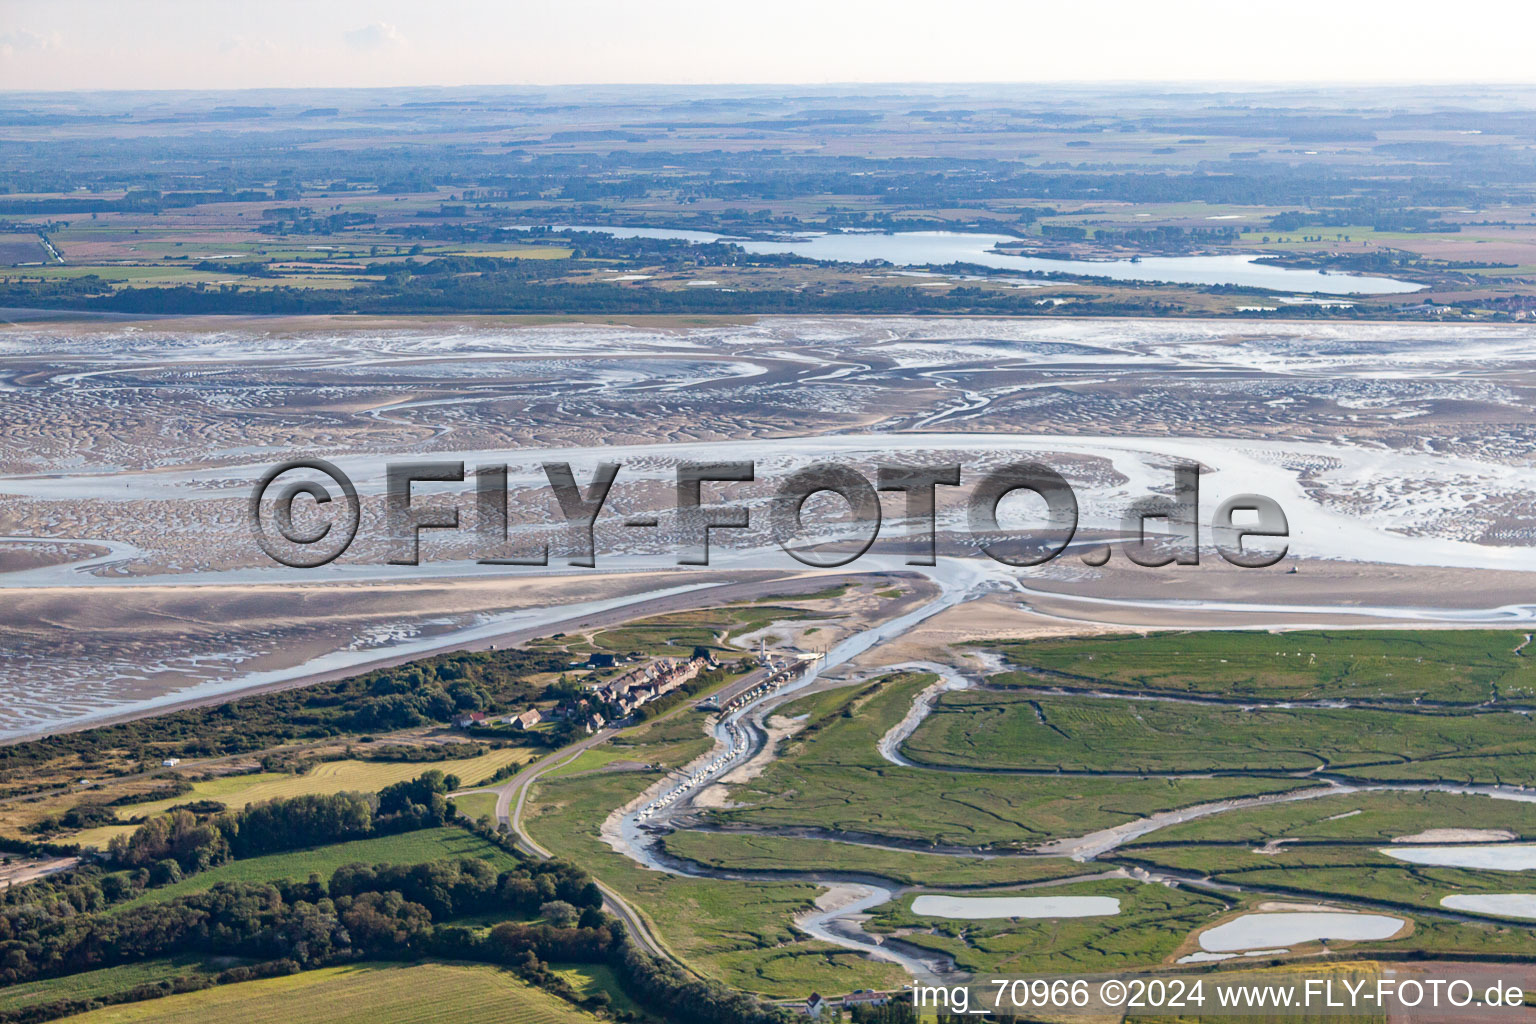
(1167,236)
(416,752)
(434,689)
(362,912)
(374,911)
(683,999)
(1379,218)
(136,201)
(329,224)
(504,295)
(448,888)
(510,291)
(173,845)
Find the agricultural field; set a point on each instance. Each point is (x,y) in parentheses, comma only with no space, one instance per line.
(359,994)
(109,981)
(831,776)
(1008,730)
(1339,974)
(17,247)
(328,777)
(405,848)
(1461,667)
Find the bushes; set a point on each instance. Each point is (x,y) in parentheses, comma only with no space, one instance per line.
(194,843)
(179,837)
(307,820)
(685,1000)
(432,689)
(364,910)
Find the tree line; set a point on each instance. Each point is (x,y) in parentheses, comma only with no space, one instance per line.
(431,690)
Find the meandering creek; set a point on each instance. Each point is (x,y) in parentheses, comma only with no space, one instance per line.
(742,736)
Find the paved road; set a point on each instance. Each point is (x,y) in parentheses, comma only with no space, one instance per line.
(766,583)
(510,796)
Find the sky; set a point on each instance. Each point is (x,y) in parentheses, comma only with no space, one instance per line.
(229,44)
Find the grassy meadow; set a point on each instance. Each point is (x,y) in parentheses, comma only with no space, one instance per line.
(1154,920)
(831,776)
(738,932)
(325,778)
(1466,666)
(1009,730)
(749,852)
(404,848)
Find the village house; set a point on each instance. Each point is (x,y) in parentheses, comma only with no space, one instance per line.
(473,718)
(813,1006)
(527,720)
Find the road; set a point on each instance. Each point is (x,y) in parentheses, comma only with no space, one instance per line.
(513,794)
(510,796)
(634,606)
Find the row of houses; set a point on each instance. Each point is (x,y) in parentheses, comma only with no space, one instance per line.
(645,683)
(526,720)
(623,695)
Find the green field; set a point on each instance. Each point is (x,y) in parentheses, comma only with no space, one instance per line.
(778,853)
(359,994)
(590,979)
(1332,870)
(404,848)
(738,932)
(1460,666)
(325,778)
(664,634)
(1359,817)
(1154,920)
(591,759)
(108,981)
(831,776)
(475,805)
(991,729)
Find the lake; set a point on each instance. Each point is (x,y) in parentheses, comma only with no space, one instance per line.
(978,908)
(1499,904)
(1268,931)
(1506,857)
(919,248)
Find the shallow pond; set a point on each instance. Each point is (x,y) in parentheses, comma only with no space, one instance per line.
(1267,931)
(978,908)
(1500,904)
(1505,857)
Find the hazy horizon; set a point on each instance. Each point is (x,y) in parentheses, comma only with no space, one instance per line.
(72,45)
